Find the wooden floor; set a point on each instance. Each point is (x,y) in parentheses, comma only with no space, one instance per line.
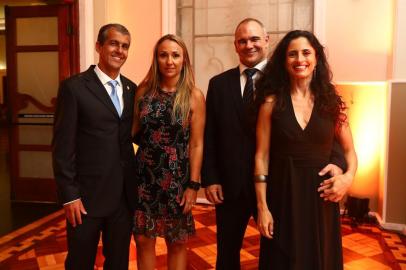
(42,245)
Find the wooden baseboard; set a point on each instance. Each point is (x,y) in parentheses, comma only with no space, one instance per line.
(397,227)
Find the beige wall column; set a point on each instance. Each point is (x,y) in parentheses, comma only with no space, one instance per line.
(168,17)
(86,34)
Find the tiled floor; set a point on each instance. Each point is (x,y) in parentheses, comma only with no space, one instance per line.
(42,245)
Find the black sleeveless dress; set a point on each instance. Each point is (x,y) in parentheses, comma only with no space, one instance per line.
(306,228)
(162,171)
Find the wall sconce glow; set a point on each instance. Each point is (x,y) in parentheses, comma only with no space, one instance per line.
(367,116)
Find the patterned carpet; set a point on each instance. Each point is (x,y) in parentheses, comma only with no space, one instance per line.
(42,245)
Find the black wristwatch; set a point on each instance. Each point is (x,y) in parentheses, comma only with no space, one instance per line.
(194,185)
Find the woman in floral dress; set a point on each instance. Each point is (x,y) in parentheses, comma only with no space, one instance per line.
(169,126)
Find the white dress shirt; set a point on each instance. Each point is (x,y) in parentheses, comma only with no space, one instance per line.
(105,81)
(243,77)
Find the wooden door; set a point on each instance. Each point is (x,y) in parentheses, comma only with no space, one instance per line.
(41,48)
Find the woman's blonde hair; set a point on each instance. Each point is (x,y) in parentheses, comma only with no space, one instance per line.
(185,85)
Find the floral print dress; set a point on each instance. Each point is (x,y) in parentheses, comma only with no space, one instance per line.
(162,171)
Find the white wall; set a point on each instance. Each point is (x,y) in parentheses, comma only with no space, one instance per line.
(399,52)
(143,20)
(366,41)
(358,36)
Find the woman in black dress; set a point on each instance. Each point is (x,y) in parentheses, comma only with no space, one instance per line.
(169,125)
(300,114)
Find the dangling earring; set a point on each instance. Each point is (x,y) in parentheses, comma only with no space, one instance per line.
(314,72)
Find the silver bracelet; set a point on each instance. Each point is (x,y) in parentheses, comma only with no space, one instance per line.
(260,178)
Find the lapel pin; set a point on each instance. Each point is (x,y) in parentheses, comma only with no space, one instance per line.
(128,88)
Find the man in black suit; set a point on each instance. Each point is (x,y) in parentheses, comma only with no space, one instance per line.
(93,155)
(229,146)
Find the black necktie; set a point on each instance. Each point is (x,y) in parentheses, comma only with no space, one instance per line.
(248,95)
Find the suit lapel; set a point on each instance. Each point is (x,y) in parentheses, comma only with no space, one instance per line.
(126,95)
(95,86)
(235,87)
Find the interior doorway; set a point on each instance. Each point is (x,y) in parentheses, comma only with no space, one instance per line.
(41,48)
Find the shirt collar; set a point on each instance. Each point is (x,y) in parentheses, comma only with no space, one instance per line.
(260,66)
(104,78)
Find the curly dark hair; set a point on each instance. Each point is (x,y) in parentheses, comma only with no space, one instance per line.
(275,80)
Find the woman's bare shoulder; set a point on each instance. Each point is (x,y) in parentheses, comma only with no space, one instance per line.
(197,95)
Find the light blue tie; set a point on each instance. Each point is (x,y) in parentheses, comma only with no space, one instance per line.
(114,96)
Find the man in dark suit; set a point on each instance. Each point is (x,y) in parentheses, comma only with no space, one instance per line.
(93,155)
(229,146)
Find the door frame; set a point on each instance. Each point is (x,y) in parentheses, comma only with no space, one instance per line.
(68,46)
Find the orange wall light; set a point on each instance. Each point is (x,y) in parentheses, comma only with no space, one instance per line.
(368,116)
